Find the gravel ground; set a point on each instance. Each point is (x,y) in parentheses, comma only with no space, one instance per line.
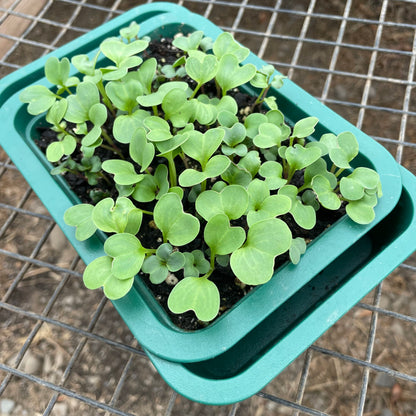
(92,368)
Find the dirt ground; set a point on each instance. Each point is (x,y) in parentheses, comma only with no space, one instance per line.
(63,349)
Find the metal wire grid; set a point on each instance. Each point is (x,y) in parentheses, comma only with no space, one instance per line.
(19,206)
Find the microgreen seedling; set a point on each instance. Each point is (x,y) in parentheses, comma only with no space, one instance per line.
(231,75)
(165,260)
(178,227)
(253,263)
(189,43)
(181,179)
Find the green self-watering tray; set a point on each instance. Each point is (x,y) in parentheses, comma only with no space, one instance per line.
(299,321)
(143,315)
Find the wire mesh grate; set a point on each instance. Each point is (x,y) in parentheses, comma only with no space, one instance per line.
(65,351)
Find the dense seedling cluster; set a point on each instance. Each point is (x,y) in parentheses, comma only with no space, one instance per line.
(186,164)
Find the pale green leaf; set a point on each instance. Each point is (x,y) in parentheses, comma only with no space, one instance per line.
(117,217)
(99,274)
(220,237)
(178,227)
(197,294)
(231,75)
(124,173)
(39,99)
(304,127)
(253,263)
(80,216)
(128,254)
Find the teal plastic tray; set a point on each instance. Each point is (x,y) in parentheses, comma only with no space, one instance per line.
(143,315)
(297,323)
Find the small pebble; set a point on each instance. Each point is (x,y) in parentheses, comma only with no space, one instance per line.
(341,92)
(30,363)
(171,280)
(60,409)
(412,308)
(386,412)
(6,406)
(94,381)
(47,365)
(384,380)
(57,240)
(397,329)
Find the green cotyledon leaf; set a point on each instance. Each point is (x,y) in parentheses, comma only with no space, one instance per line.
(319,167)
(231,75)
(195,263)
(178,227)
(325,193)
(304,127)
(165,260)
(156,98)
(297,248)
(342,149)
(84,64)
(57,149)
(125,125)
(190,42)
(231,201)
(123,93)
(300,157)
(120,52)
(362,179)
(197,294)
(215,166)
(201,146)
(97,116)
(253,263)
(128,254)
(123,171)
(221,237)
(262,205)
(202,68)
(304,215)
(152,186)
(57,71)
(80,216)
(272,172)
(177,108)
(79,104)
(140,150)
(269,135)
(117,217)
(39,99)
(158,129)
(205,112)
(237,175)
(361,211)
(130,32)
(99,274)
(57,112)
(226,44)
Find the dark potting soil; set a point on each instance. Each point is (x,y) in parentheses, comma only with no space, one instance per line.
(230,288)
